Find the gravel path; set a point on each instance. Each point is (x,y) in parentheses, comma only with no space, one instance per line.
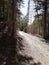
(35,47)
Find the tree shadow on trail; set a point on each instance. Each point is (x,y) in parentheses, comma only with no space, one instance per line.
(46,41)
(26,60)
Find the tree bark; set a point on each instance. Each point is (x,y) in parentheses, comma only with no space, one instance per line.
(45,21)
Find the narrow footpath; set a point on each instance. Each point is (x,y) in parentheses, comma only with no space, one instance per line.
(35,47)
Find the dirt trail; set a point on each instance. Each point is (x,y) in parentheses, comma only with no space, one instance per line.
(35,47)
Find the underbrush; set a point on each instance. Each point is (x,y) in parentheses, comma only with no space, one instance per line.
(40,36)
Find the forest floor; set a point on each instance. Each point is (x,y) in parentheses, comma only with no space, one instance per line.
(35,49)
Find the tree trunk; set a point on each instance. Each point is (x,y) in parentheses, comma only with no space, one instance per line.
(48,29)
(45,21)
